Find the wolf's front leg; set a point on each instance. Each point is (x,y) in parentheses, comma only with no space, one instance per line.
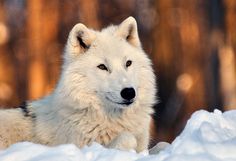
(124,141)
(143,140)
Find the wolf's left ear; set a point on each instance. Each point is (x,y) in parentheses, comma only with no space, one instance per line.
(129,31)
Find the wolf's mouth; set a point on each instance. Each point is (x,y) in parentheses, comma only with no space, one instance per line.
(127,103)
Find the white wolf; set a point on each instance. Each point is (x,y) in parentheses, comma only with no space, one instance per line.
(105,94)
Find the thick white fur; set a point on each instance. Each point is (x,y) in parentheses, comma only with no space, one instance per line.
(78,110)
(13,127)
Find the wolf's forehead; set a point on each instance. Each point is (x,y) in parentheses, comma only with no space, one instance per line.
(107,38)
(110,44)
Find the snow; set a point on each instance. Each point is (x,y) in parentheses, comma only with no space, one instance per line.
(206,137)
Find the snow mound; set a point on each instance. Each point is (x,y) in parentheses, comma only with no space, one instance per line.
(206,137)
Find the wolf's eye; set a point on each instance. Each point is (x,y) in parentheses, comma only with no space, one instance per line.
(102,67)
(128,63)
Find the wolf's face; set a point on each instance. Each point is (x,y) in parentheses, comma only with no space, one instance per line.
(113,70)
(109,65)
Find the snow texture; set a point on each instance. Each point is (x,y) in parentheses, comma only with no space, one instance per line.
(206,137)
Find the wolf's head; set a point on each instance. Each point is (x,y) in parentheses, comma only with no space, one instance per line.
(107,68)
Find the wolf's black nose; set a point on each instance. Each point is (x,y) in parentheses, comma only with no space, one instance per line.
(128,93)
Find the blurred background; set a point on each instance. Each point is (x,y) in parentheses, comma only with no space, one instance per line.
(192,44)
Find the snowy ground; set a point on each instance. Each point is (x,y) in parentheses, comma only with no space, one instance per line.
(207,136)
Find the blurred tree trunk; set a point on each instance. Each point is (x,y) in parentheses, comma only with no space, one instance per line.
(163,59)
(37,67)
(228,58)
(230,23)
(42,31)
(180,63)
(89,13)
(8,96)
(197,60)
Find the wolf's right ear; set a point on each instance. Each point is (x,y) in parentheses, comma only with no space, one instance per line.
(80,38)
(129,31)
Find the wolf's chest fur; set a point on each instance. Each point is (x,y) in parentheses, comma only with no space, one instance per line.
(105,129)
(88,125)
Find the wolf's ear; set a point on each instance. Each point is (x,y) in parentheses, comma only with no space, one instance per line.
(129,31)
(80,38)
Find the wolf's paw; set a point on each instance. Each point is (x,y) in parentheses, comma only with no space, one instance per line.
(125,141)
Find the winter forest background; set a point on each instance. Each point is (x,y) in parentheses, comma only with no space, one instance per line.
(192,44)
